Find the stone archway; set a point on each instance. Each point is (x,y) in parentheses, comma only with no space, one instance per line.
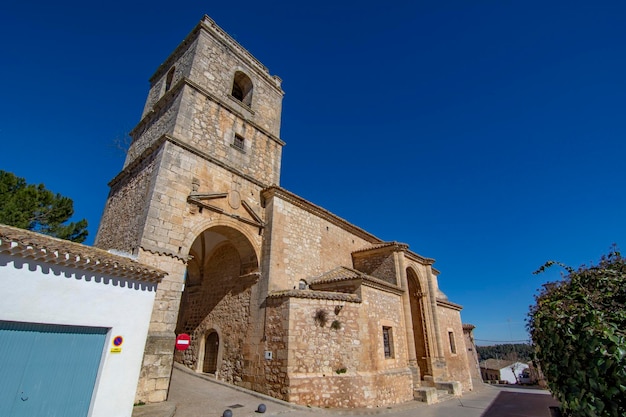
(418,315)
(221,272)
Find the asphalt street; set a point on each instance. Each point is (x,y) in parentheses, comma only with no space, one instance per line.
(198,395)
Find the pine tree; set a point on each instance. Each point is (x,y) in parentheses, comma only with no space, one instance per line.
(33,207)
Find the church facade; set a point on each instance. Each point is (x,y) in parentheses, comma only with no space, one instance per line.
(278,295)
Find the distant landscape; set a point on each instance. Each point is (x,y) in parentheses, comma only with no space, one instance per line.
(514,352)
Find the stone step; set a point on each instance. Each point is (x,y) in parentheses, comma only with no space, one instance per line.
(443,395)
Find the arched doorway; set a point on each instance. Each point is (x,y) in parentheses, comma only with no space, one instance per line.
(211,349)
(221,273)
(420,335)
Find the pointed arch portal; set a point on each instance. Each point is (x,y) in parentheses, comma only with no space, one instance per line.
(221,272)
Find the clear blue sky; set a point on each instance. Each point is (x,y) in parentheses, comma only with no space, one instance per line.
(488,135)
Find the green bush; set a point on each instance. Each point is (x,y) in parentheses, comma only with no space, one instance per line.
(578,327)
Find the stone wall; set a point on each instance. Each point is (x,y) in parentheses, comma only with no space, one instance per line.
(379,264)
(158,357)
(472,353)
(122,222)
(304,243)
(458,369)
(341,364)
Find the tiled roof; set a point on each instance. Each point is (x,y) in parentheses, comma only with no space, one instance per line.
(342,273)
(496,364)
(27,244)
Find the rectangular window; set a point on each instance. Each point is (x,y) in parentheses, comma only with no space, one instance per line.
(238,143)
(452,344)
(388,342)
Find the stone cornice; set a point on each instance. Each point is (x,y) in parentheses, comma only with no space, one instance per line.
(276,191)
(169,138)
(384,247)
(316,295)
(31,245)
(231,108)
(162,252)
(256,221)
(128,169)
(396,247)
(449,304)
(171,94)
(419,258)
(381,285)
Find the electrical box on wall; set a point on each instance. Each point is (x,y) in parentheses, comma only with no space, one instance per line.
(268,355)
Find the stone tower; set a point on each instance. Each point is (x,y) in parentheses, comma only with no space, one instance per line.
(188,201)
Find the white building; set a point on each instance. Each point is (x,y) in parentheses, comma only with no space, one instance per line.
(497,370)
(73,327)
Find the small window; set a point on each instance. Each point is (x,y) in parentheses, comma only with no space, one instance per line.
(302,285)
(239,143)
(242,88)
(170,77)
(452,344)
(388,342)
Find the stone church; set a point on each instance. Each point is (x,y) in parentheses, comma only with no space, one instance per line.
(278,294)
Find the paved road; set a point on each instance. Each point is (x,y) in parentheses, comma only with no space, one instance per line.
(196,395)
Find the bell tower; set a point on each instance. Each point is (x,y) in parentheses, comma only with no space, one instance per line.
(207,143)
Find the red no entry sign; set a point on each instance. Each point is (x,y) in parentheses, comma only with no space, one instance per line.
(182,341)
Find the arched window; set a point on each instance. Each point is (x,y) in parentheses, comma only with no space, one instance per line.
(242,88)
(170,77)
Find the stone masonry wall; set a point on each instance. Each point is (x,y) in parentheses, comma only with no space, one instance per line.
(472,356)
(340,365)
(121,225)
(380,265)
(181,62)
(214,69)
(153,127)
(304,245)
(211,129)
(158,357)
(458,369)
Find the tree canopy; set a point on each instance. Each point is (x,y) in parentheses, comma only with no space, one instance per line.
(509,351)
(578,327)
(33,207)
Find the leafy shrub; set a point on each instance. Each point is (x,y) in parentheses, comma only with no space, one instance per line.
(578,327)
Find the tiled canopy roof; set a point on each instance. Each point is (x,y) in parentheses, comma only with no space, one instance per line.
(26,244)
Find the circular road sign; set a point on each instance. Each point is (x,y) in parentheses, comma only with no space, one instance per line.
(182,341)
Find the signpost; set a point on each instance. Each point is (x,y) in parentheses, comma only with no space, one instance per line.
(182,341)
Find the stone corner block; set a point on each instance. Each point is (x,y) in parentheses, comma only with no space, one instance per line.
(453,387)
(426,395)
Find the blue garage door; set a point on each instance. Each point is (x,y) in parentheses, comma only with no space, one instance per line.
(48,370)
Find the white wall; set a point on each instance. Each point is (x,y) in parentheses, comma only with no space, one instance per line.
(38,292)
(506,374)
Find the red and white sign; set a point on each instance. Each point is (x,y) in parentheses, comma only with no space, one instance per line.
(182,341)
